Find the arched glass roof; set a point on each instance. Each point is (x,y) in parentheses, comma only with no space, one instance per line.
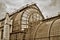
(27,16)
(48,30)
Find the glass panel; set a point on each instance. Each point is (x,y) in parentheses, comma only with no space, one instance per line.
(23,22)
(26,12)
(24,26)
(23,18)
(25,15)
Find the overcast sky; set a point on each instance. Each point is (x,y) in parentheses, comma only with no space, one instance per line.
(49,8)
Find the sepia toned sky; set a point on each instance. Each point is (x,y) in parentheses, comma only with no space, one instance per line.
(49,8)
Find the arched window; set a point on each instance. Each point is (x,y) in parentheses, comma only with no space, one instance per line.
(31,15)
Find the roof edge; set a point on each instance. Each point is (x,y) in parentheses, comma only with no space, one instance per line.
(19,10)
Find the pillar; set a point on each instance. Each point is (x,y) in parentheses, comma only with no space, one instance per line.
(6,33)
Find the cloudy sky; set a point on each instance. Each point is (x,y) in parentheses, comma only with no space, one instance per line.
(49,8)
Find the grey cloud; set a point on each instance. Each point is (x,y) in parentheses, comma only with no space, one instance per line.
(49,8)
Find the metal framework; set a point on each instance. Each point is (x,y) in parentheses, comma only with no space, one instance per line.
(30,14)
(53,30)
(24,26)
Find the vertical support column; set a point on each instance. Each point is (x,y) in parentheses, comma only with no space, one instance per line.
(6,32)
(7,24)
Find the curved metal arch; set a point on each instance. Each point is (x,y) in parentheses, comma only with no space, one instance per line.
(33,13)
(29,7)
(22,17)
(13,21)
(26,8)
(36,31)
(22,13)
(30,13)
(30,16)
(51,27)
(14,16)
(37,9)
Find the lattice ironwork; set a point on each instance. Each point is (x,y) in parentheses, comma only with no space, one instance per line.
(48,30)
(25,19)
